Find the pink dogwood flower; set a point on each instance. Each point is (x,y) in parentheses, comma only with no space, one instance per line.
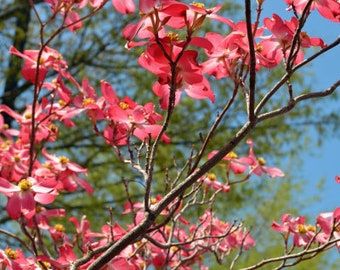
(154,18)
(188,77)
(211,181)
(329,9)
(22,198)
(6,131)
(213,227)
(278,45)
(50,58)
(13,259)
(258,164)
(42,217)
(15,162)
(235,164)
(302,233)
(138,120)
(330,226)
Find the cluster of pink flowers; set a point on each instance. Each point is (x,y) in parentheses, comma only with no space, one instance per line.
(27,181)
(31,177)
(177,67)
(326,229)
(239,166)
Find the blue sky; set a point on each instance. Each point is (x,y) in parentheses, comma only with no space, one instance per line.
(320,162)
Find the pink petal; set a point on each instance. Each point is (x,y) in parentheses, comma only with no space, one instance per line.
(337,179)
(7,188)
(109,93)
(124,6)
(146,6)
(201,91)
(44,198)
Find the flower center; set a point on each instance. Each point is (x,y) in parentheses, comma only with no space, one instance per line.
(261,161)
(302,229)
(259,48)
(172,36)
(124,105)
(44,265)
(231,154)
(87,101)
(59,227)
(199,5)
(16,158)
(11,254)
(311,228)
(212,177)
(25,185)
(28,116)
(61,102)
(64,160)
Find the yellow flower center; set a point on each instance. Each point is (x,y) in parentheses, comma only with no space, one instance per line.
(5,126)
(142,265)
(59,227)
(38,209)
(28,116)
(52,128)
(124,105)
(261,161)
(41,61)
(174,248)
(11,254)
(24,185)
(87,101)
(61,102)
(231,154)
(172,36)
(153,200)
(259,48)
(302,229)
(5,144)
(199,5)
(47,166)
(168,228)
(311,228)
(304,35)
(212,177)
(64,160)
(44,265)
(16,158)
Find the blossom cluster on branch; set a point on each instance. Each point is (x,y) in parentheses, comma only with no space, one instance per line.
(31,177)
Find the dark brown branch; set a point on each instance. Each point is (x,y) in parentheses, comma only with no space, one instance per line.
(252,70)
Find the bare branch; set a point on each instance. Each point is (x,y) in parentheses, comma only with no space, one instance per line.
(298,99)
